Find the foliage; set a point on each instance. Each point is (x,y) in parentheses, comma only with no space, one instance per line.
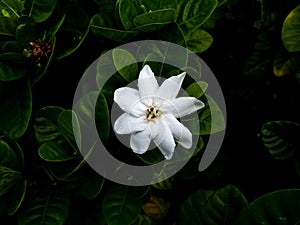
(44,179)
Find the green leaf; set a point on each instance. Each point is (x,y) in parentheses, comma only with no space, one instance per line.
(166,184)
(8,157)
(72,32)
(126,64)
(128,10)
(276,208)
(15,110)
(198,41)
(15,7)
(159,4)
(156,208)
(209,207)
(210,23)
(56,23)
(191,14)
(101,26)
(143,220)
(26,33)
(258,65)
(171,33)
(154,20)
(108,86)
(102,118)
(45,124)
(85,109)
(17,198)
(11,46)
(47,207)
(7,27)
(10,70)
(286,63)
(197,89)
(92,184)
(280,138)
(8,178)
(291,31)
(40,10)
(65,126)
(122,204)
(55,152)
(210,117)
(54,130)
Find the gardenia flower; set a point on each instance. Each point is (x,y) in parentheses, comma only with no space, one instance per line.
(150,113)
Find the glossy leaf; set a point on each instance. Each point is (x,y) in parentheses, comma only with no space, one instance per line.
(16,110)
(40,10)
(8,178)
(16,7)
(280,138)
(198,41)
(197,89)
(128,10)
(55,152)
(12,66)
(47,207)
(101,27)
(192,13)
(166,184)
(156,208)
(72,32)
(276,208)
(154,20)
(171,33)
(7,27)
(66,128)
(286,63)
(159,4)
(26,33)
(92,185)
(125,64)
(8,157)
(217,15)
(104,67)
(56,23)
(211,119)
(143,220)
(45,124)
(291,31)
(85,109)
(17,196)
(11,46)
(210,207)
(122,204)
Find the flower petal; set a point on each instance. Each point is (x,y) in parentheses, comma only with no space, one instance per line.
(147,85)
(126,98)
(127,124)
(182,106)
(164,139)
(181,134)
(140,141)
(170,87)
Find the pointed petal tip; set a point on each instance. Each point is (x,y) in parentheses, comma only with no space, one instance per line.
(168,157)
(182,75)
(146,72)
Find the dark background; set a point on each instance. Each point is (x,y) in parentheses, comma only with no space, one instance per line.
(251,101)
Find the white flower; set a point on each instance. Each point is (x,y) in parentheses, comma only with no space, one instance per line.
(151,112)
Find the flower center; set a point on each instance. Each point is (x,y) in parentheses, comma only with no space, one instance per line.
(152,113)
